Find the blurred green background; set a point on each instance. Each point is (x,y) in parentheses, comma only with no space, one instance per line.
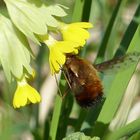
(38,122)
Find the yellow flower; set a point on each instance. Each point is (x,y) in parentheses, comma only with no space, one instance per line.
(25,94)
(75,32)
(58,51)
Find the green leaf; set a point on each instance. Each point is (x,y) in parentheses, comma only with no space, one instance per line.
(56,112)
(77,14)
(80,136)
(33,17)
(13,129)
(27,18)
(103,46)
(55,118)
(135,136)
(14,50)
(127,130)
(50,11)
(120,83)
(137,19)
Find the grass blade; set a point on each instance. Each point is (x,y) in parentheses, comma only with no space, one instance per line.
(127,130)
(116,91)
(128,34)
(103,46)
(55,118)
(77,14)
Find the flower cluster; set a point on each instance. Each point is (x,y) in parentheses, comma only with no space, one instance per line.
(74,37)
(28,20)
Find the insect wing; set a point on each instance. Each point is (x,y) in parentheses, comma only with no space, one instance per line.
(117,64)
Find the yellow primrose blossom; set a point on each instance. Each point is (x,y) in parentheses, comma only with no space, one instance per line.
(75,32)
(58,51)
(25,94)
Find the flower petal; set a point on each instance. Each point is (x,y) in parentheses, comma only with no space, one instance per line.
(56,59)
(58,51)
(75,32)
(33,95)
(81,24)
(67,46)
(77,35)
(25,94)
(53,62)
(21,98)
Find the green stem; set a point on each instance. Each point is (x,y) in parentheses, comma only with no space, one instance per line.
(125,131)
(128,34)
(86,10)
(103,46)
(55,118)
(78,10)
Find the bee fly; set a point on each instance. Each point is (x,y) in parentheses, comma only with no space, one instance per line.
(84,81)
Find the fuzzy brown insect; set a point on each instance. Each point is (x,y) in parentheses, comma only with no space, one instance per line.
(83,78)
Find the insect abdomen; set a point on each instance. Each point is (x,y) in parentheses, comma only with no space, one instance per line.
(84,82)
(90,95)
